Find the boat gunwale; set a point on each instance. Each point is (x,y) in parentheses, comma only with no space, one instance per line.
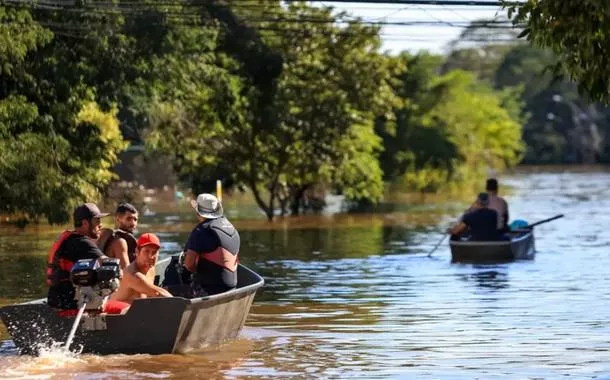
(502,243)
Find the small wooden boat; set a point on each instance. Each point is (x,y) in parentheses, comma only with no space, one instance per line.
(519,247)
(150,325)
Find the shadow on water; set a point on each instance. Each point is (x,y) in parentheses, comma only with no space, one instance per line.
(354,296)
(487,278)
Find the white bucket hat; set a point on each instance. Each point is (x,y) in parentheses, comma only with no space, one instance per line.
(207,206)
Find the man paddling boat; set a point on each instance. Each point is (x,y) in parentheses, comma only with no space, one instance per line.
(481,222)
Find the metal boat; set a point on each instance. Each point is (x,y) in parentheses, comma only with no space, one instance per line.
(519,247)
(150,325)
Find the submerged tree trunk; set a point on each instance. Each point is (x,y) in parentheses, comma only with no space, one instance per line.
(296,200)
(267,208)
(283,203)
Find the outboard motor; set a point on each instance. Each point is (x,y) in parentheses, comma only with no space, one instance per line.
(95,281)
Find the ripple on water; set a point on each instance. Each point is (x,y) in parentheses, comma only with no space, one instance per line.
(359,302)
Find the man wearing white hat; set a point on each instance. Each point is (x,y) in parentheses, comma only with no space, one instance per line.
(213,247)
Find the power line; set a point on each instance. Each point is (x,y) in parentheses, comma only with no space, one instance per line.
(291,19)
(194,3)
(478,3)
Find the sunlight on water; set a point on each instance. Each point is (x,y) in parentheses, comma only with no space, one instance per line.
(355,296)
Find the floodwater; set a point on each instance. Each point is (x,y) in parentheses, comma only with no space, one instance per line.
(355,296)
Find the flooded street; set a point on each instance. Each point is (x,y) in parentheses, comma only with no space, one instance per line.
(355,296)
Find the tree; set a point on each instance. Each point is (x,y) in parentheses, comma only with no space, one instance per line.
(561,126)
(56,145)
(449,129)
(308,124)
(578,32)
(333,85)
(481,47)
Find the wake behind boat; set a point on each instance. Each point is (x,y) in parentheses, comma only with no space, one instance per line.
(150,325)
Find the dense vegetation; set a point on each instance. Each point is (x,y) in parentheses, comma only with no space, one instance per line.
(578,31)
(282,101)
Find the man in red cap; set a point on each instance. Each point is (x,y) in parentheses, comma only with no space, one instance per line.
(139,276)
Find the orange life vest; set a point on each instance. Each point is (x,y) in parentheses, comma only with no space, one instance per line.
(58,269)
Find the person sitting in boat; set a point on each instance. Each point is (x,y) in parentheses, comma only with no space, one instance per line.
(68,249)
(119,243)
(481,221)
(497,203)
(211,251)
(139,276)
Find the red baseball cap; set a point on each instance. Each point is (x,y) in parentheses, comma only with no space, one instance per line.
(148,239)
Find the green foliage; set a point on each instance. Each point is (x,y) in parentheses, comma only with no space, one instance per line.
(359,175)
(285,109)
(450,129)
(332,86)
(484,132)
(310,125)
(56,146)
(578,32)
(481,60)
(560,126)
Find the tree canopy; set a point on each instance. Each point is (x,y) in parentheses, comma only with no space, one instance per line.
(289,110)
(57,146)
(578,32)
(449,129)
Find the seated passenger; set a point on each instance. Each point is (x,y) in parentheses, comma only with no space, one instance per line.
(497,203)
(119,242)
(481,221)
(68,249)
(212,247)
(139,276)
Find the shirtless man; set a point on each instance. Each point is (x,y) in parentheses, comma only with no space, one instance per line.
(139,276)
(119,242)
(497,203)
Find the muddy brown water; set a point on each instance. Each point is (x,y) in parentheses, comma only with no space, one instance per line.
(354,296)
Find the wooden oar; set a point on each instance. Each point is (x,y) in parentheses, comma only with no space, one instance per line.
(544,221)
(438,244)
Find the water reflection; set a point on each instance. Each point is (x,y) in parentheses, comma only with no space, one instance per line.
(354,296)
(487,278)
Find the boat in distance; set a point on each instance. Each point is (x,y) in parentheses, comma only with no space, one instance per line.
(519,247)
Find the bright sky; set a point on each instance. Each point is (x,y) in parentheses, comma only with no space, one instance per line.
(419,37)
